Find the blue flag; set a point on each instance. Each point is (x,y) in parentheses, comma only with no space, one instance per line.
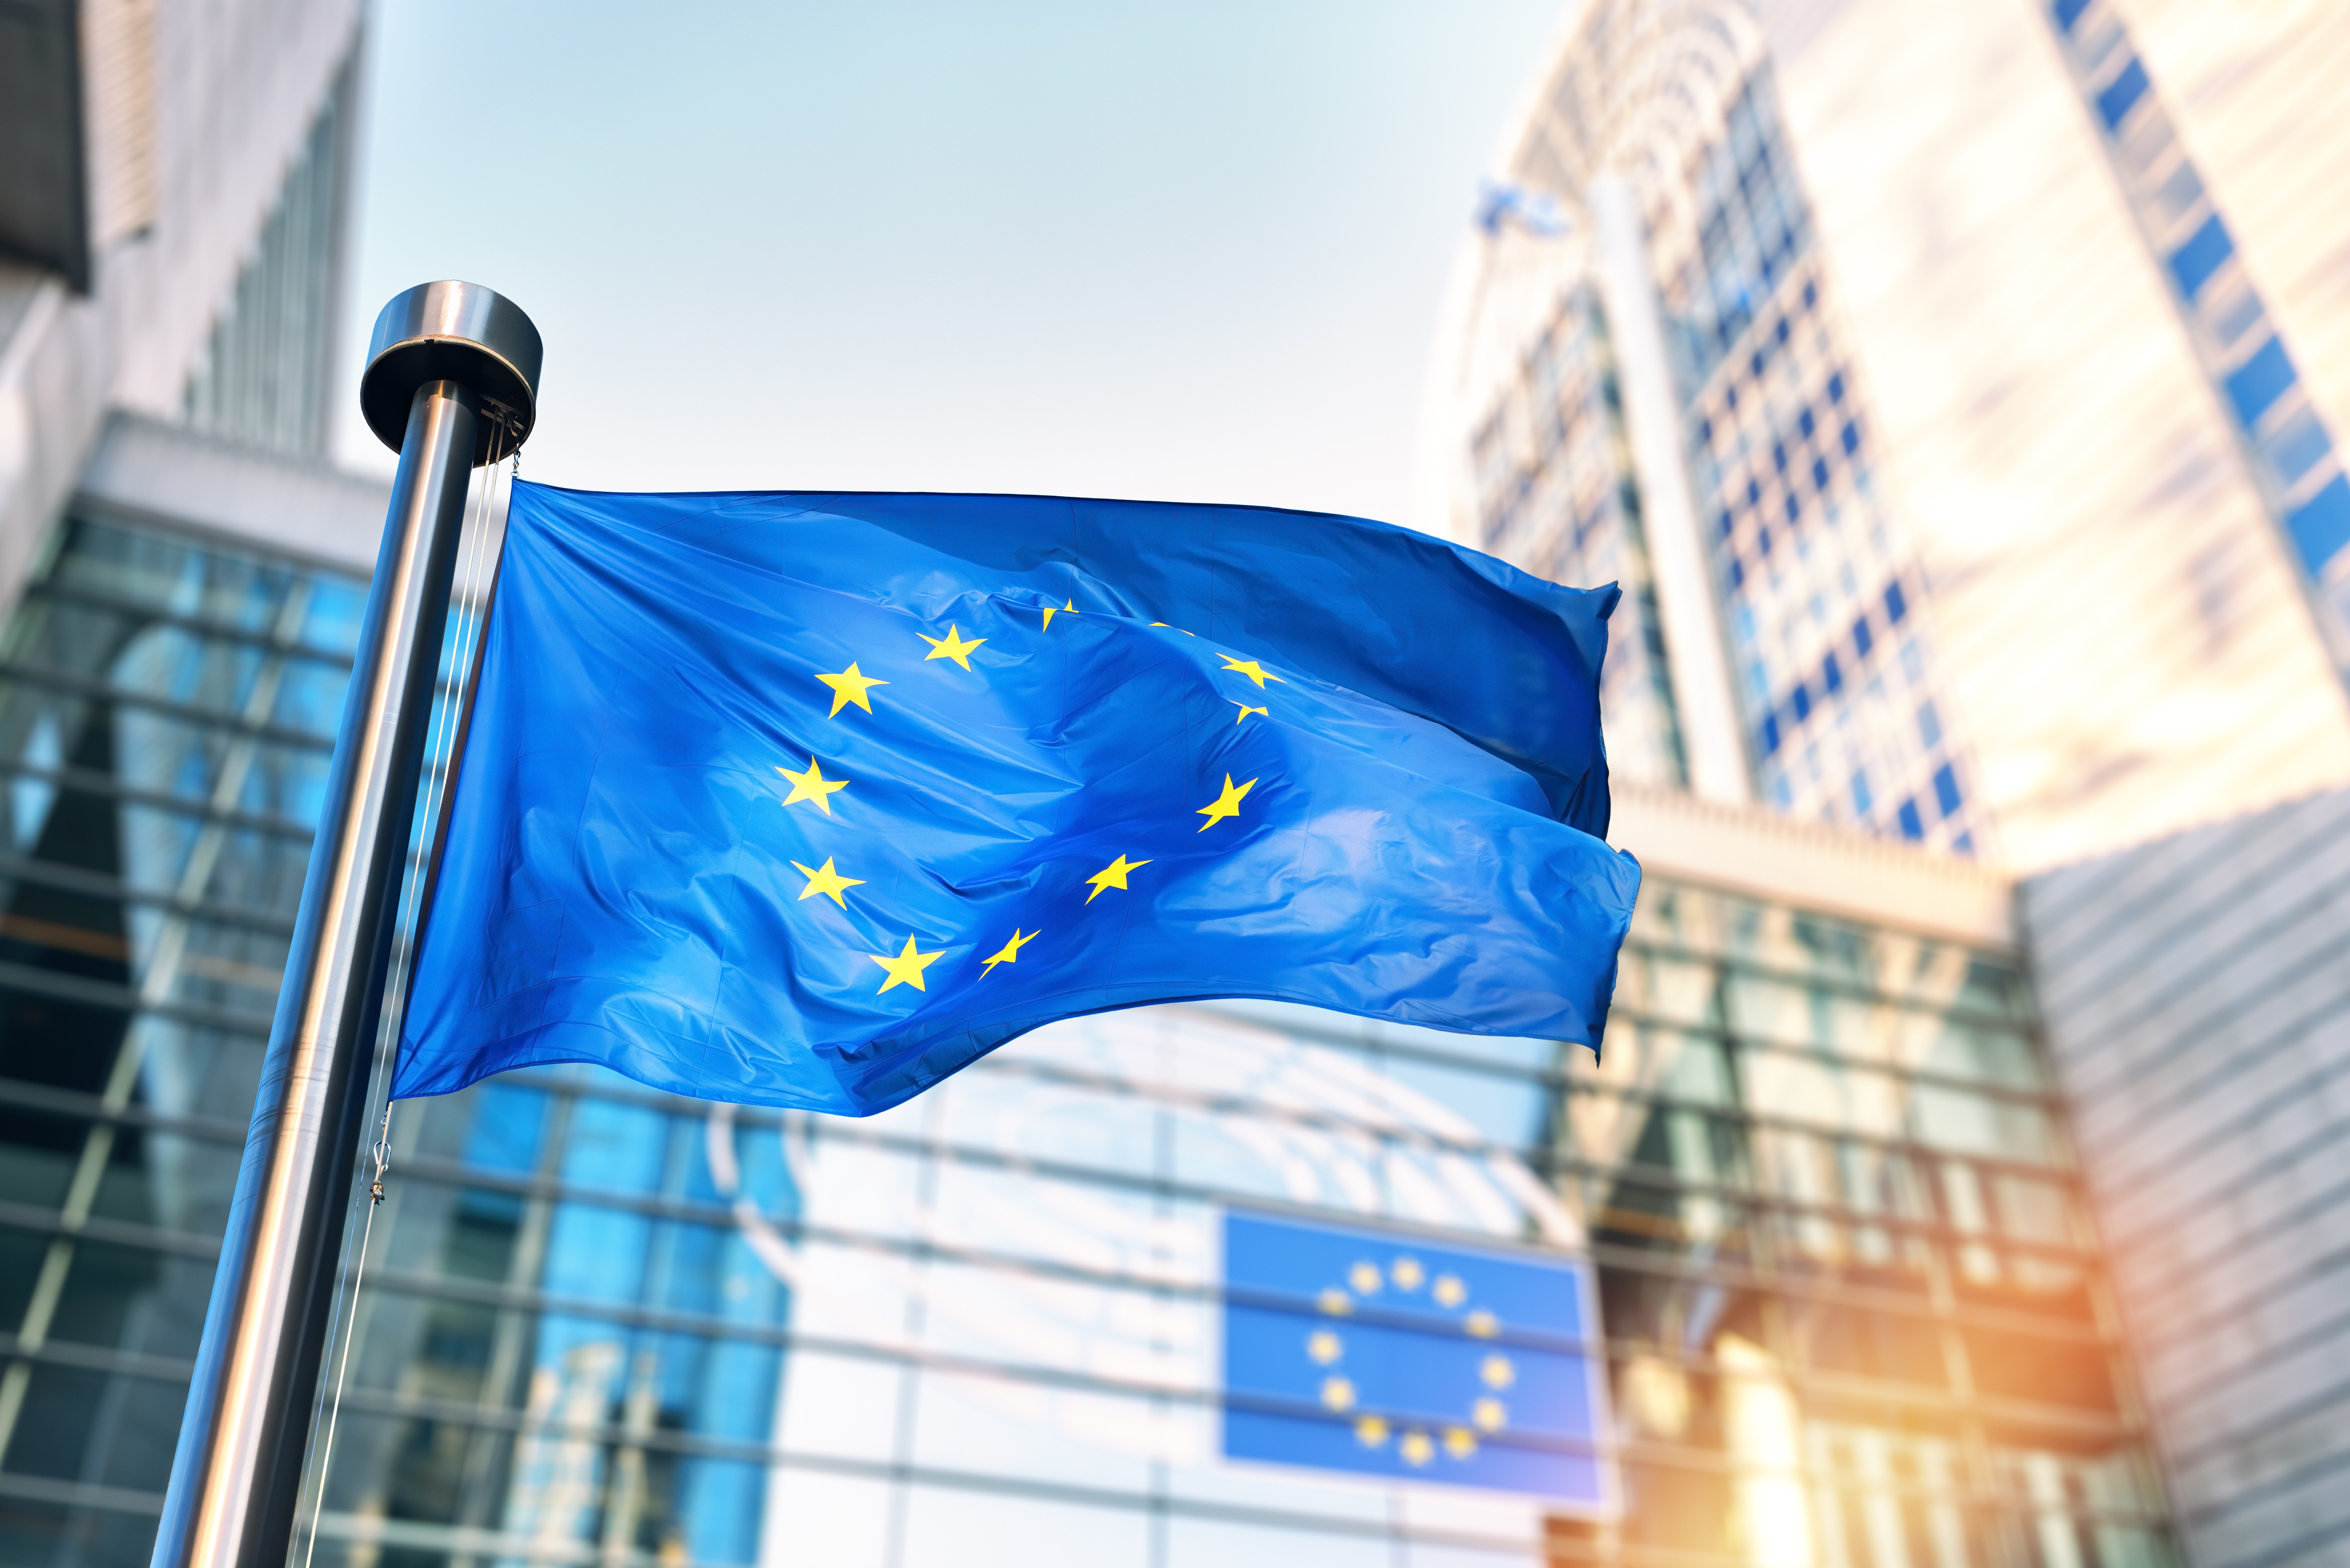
(1352,1349)
(810,800)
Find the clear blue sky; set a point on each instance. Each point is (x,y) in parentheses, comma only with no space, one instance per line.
(1184,251)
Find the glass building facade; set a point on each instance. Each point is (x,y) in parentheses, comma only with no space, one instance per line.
(1853,1311)
(2289,452)
(1840,714)
(1832,670)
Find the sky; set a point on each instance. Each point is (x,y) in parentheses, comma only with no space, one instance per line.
(1187,252)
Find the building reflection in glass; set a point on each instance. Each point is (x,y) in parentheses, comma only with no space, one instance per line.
(1854,1315)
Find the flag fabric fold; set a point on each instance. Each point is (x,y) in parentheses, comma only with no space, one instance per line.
(810,800)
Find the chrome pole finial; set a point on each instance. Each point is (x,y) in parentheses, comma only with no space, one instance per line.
(459,332)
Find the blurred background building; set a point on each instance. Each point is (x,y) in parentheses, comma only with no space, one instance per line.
(1960,385)
(1964,443)
(1966,341)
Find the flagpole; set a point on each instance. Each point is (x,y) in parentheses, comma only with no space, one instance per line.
(452,383)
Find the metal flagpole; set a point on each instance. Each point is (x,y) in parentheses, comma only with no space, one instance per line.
(452,383)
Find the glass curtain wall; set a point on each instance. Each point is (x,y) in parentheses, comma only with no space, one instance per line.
(1854,1312)
(1833,667)
(167,715)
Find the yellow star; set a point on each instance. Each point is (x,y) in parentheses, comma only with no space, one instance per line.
(1242,717)
(950,645)
(1488,1414)
(851,685)
(1113,876)
(812,785)
(1459,1443)
(1009,952)
(907,968)
(1250,668)
(1225,805)
(1339,1394)
(1497,1372)
(1323,1347)
(1370,1431)
(1049,613)
(1416,1448)
(826,881)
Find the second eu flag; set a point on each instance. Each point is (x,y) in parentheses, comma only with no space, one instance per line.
(811,799)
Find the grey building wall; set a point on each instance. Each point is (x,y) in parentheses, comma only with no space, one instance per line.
(196,112)
(2196,993)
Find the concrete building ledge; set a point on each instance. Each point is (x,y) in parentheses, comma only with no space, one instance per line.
(162,473)
(1755,852)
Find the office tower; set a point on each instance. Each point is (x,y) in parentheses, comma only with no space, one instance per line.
(1848,1305)
(2198,1009)
(1934,376)
(1851,1309)
(175,670)
(173,194)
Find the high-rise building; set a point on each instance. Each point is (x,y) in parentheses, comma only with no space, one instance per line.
(1958,388)
(1953,386)
(1851,1306)
(1850,1303)
(2198,1008)
(173,196)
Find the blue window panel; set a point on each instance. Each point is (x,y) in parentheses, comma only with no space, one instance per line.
(1831,676)
(1860,799)
(1737,573)
(1705,432)
(1771,735)
(1912,824)
(2256,384)
(2121,94)
(1753,493)
(1780,331)
(1404,1387)
(1850,437)
(1964,844)
(507,1126)
(1810,295)
(1946,790)
(1779,456)
(1835,388)
(1725,523)
(1795,506)
(1805,422)
(1819,474)
(1762,540)
(1860,638)
(2069,12)
(1800,699)
(2193,263)
(1895,606)
(1755,363)
(2321,526)
(1929,725)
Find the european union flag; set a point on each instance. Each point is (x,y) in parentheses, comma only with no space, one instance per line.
(809,800)
(1352,1349)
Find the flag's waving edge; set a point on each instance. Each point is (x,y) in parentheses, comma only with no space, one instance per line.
(810,801)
